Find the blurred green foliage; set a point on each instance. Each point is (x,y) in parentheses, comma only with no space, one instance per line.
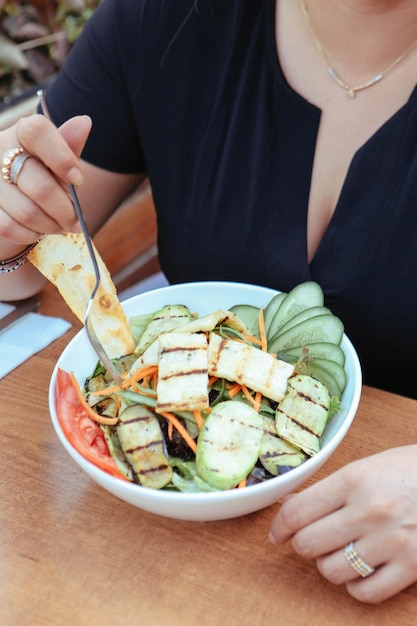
(35,39)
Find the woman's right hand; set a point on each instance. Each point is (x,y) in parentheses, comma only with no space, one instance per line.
(39,203)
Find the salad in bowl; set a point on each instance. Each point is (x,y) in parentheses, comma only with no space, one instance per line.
(234,395)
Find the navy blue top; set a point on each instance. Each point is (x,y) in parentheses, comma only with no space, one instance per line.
(193,94)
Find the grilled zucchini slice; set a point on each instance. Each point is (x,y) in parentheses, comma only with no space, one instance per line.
(165,320)
(275,452)
(302,415)
(228,444)
(141,441)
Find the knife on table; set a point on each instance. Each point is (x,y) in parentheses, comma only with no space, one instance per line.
(25,306)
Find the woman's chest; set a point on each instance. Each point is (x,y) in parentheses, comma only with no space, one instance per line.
(345,127)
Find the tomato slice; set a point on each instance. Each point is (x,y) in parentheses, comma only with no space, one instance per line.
(83,433)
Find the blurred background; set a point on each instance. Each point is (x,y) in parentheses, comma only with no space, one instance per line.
(35,38)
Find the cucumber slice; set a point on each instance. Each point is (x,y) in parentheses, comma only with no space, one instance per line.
(301,317)
(303,296)
(327,328)
(228,444)
(325,377)
(334,369)
(271,309)
(249,315)
(328,371)
(321,350)
(302,415)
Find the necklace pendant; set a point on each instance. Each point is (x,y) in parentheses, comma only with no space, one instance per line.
(351,91)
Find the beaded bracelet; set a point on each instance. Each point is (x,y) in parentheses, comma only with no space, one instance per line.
(9,265)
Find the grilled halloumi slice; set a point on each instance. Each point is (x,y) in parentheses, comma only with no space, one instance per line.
(210,321)
(244,364)
(149,357)
(182,376)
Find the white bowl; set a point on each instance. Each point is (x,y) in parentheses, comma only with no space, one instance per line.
(205,297)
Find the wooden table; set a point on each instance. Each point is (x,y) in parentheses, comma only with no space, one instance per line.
(72,554)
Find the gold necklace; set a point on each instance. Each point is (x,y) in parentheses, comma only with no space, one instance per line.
(351,89)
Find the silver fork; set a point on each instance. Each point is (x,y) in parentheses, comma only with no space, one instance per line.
(95,342)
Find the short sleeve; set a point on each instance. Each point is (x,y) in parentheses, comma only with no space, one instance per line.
(97,81)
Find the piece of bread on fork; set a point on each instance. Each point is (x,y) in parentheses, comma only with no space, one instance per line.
(65,261)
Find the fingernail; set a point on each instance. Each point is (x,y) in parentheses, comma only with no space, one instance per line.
(74,176)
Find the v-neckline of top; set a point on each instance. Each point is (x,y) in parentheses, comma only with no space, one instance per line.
(313,109)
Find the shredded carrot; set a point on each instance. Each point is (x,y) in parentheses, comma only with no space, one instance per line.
(146,372)
(110,421)
(134,386)
(257,403)
(242,483)
(198,418)
(251,338)
(107,391)
(247,394)
(212,380)
(143,373)
(237,387)
(146,388)
(170,428)
(183,431)
(234,390)
(262,331)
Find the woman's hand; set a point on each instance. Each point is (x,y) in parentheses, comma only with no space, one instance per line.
(371,502)
(39,202)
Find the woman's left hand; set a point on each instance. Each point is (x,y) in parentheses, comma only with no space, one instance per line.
(371,502)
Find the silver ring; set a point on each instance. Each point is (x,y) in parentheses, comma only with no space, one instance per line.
(13,160)
(358,564)
(17,166)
